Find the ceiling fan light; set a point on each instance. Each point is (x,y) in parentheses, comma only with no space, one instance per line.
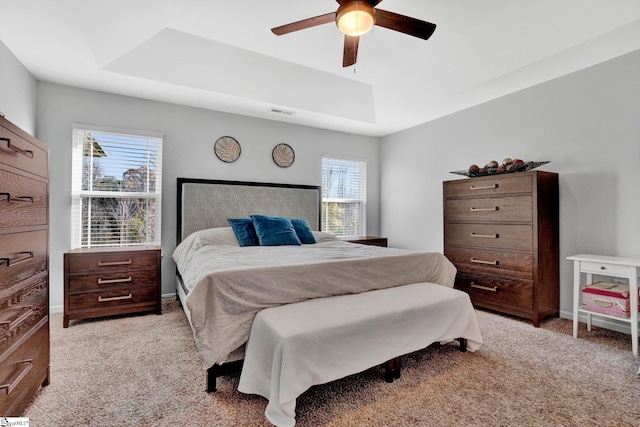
(355,18)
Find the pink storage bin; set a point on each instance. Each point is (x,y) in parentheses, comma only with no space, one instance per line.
(607,298)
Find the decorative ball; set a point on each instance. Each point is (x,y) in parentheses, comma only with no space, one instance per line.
(492,164)
(500,169)
(491,171)
(518,164)
(507,161)
(473,169)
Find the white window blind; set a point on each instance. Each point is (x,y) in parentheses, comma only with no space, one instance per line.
(344,196)
(116,187)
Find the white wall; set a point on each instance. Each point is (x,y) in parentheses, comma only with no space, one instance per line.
(189,135)
(17,92)
(587,124)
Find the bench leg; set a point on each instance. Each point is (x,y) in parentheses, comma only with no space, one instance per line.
(392,369)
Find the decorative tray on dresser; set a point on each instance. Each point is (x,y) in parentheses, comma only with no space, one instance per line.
(501,233)
(24,268)
(106,281)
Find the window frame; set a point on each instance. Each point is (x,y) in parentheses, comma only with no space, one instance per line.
(78,194)
(362,201)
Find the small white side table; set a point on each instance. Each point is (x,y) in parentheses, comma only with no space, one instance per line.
(588,265)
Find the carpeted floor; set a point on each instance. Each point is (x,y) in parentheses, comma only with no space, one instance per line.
(145,371)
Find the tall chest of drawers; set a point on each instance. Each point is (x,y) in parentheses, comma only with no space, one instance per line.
(24,267)
(501,233)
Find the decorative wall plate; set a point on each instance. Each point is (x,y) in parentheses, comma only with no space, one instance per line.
(283,155)
(227,149)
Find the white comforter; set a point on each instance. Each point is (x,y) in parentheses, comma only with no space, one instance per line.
(228,285)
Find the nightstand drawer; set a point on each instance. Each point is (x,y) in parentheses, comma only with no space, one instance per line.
(23,201)
(108,261)
(498,290)
(490,209)
(107,299)
(604,268)
(499,236)
(111,281)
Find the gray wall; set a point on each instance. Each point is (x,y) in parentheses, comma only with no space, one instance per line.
(189,135)
(587,124)
(17,92)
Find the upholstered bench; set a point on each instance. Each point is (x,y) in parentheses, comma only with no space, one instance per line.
(295,346)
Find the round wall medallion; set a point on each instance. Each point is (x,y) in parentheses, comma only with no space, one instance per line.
(227,149)
(283,155)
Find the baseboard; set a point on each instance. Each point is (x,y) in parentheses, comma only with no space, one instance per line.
(602,322)
(60,308)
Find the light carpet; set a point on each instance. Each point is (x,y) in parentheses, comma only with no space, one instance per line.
(145,371)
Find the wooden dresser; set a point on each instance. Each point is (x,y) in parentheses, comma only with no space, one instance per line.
(24,268)
(501,232)
(108,281)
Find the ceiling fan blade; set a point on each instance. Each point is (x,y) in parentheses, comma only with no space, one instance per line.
(350,50)
(305,23)
(405,24)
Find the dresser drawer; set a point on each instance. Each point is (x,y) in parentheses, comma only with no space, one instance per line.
(22,366)
(23,201)
(604,268)
(514,264)
(22,309)
(22,256)
(489,186)
(496,290)
(108,281)
(22,154)
(106,262)
(110,299)
(498,236)
(490,209)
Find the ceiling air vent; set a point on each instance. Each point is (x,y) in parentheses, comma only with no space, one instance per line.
(279,111)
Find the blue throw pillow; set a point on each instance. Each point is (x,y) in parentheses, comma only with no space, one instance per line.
(274,230)
(244,231)
(303,231)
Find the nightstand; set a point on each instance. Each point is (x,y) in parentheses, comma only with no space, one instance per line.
(110,281)
(367,240)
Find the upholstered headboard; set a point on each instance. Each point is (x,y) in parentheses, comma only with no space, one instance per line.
(206,203)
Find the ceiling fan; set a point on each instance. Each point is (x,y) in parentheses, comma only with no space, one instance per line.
(356,17)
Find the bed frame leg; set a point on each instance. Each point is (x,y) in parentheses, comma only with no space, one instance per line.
(219,370)
(463,344)
(212,374)
(392,369)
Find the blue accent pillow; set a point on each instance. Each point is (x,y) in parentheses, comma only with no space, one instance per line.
(303,231)
(274,230)
(244,231)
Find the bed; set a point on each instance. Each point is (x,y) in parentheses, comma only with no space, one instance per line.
(222,285)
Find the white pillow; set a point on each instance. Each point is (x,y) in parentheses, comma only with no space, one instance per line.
(222,236)
(322,236)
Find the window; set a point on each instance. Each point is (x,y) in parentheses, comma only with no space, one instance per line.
(116,188)
(344,196)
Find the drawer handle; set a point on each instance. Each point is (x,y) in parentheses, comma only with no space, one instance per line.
(19,199)
(488,236)
(484,288)
(26,153)
(479,261)
(13,261)
(103,264)
(107,281)
(472,209)
(483,187)
(25,370)
(105,299)
(23,312)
